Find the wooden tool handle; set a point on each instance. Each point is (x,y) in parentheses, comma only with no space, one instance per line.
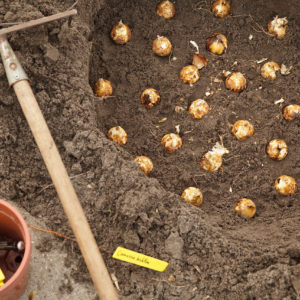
(65,190)
(41,21)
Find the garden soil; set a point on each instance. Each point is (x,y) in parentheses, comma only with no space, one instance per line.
(212,252)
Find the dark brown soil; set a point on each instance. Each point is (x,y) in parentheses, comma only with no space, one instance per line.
(212,252)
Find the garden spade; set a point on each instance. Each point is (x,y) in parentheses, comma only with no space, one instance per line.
(18,79)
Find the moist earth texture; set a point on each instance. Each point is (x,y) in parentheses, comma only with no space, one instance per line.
(212,252)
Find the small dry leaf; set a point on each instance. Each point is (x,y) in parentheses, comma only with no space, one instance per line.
(179,109)
(261,60)
(195,45)
(171,278)
(284,70)
(199,61)
(115,281)
(217,80)
(162,120)
(197,269)
(31,295)
(225,73)
(281,100)
(177,127)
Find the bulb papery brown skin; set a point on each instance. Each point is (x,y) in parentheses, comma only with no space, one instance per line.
(150,98)
(242,129)
(291,112)
(118,135)
(192,195)
(269,69)
(286,185)
(277,27)
(220,8)
(277,149)
(189,74)
(212,160)
(199,61)
(217,43)
(236,82)
(166,9)
(120,33)
(161,46)
(103,88)
(245,207)
(171,142)
(144,163)
(199,108)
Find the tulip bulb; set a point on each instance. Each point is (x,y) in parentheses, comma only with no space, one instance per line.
(192,195)
(144,163)
(245,207)
(161,46)
(291,112)
(118,135)
(150,98)
(269,69)
(166,9)
(236,82)
(216,43)
(199,108)
(277,27)
(120,33)
(103,88)
(277,149)
(286,185)
(171,142)
(189,74)
(212,160)
(242,129)
(220,8)
(199,61)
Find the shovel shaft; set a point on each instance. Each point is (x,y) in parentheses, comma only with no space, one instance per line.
(65,190)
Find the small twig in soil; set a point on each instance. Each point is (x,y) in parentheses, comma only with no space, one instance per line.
(104,97)
(197,6)
(171,57)
(174,285)
(62,236)
(199,175)
(194,181)
(258,25)
(152,133)
(73,5)
(52,232)
(52,78)
(50,185)
(35,72)
(9,24)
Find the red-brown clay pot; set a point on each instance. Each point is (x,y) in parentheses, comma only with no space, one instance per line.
(14,266)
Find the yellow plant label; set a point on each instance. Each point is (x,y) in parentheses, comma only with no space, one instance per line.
(2,277)
(140,259)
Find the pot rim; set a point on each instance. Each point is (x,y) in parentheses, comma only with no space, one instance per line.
(27,240)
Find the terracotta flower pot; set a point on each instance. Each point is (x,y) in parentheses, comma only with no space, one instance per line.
(14,265)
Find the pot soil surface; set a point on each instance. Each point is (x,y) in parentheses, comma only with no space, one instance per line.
(212,252)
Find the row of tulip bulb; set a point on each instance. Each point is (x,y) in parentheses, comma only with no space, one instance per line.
(212,160)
